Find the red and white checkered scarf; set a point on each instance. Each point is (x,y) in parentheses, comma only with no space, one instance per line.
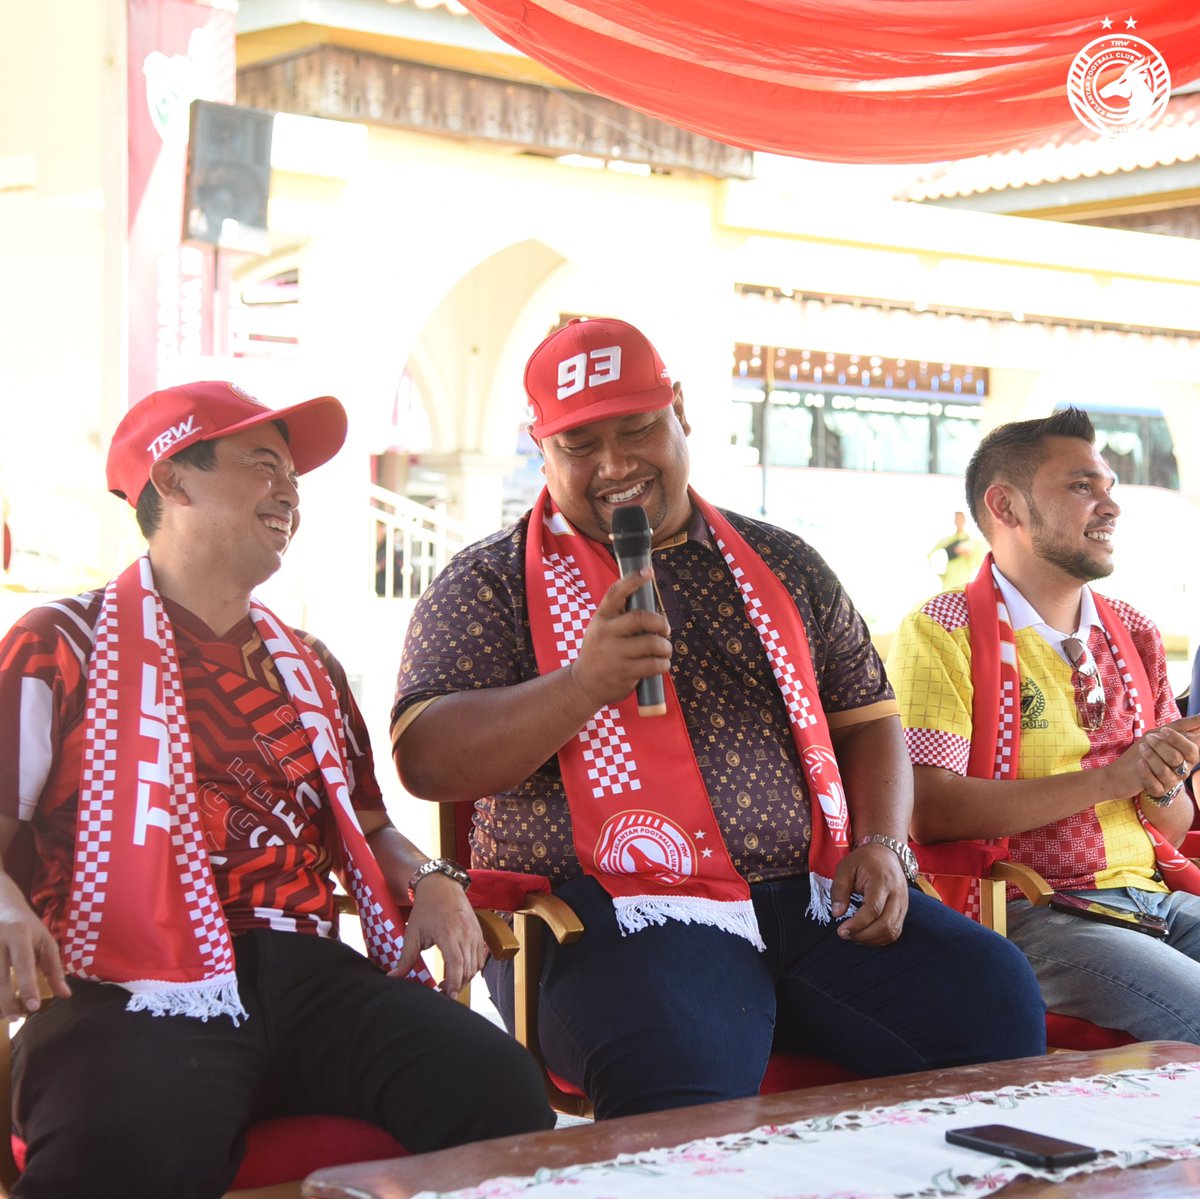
(643,823)
(996,713)
(144,907)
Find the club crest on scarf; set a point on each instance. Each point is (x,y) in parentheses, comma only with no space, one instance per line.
(826,780)
(648,844)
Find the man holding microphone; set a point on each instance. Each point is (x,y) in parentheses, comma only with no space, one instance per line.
(739,861)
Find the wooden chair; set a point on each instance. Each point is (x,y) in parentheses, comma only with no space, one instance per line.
(280,1153)
(544,914)
(973,877)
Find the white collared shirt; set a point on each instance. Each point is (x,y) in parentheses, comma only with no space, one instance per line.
(1023,615)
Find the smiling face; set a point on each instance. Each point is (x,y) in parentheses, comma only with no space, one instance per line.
(239,517)
(1071,513)
(636,460)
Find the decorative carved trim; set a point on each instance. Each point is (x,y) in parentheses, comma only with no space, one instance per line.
(330,81)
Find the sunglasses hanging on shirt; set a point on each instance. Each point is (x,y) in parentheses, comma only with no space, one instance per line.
(1089,694)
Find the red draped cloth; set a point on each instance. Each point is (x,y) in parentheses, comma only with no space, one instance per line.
(841,80)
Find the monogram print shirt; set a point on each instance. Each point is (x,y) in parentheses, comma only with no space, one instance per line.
(471,629)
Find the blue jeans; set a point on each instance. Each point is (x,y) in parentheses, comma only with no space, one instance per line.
(681,1014)
(1117,977)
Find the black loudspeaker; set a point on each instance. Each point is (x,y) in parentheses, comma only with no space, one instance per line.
(228,177)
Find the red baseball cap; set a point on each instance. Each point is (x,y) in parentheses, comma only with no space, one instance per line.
(170,420)
(591,370)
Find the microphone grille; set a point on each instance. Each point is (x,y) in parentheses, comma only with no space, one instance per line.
(629,522)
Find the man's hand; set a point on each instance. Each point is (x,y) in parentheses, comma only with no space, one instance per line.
(621,648)
(442,917)
(26,947)
(874,872)
(1151,764)
(1165,755)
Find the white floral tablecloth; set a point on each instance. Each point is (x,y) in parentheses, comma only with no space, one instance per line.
(899,1152)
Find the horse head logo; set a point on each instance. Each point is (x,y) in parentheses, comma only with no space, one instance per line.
(1136,85)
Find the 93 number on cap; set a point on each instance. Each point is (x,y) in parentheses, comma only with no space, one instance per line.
(573,374)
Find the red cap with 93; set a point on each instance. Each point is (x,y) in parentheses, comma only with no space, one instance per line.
(170,420)
(591,370)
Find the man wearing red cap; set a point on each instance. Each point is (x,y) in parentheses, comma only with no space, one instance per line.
(739,862)
(181,771)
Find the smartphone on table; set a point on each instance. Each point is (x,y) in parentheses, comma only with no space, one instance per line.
(1032,1148)
(1153,926)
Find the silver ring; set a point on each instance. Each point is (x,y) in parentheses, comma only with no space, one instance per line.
(1183,770)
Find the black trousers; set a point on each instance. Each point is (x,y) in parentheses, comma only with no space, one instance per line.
(117,1103)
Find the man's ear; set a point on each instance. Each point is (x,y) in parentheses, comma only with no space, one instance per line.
(168,482)
(677,406)
(1004,506)
(536,442)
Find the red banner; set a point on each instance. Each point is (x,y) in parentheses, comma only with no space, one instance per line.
(179,51)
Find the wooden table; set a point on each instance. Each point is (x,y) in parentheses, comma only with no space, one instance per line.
(468,1165)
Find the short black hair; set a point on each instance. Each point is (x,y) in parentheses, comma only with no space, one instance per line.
(1012,454)
(200,454)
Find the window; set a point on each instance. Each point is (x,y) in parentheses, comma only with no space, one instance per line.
(799,408)
(1138,447)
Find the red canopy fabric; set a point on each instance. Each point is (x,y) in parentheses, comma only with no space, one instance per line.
(841,80)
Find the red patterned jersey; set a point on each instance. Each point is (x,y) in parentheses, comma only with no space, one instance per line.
(262,802)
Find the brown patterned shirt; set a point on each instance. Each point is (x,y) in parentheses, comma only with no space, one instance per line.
(471,629)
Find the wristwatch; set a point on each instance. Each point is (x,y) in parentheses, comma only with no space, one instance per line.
(439,866)
(1163,800)
(908,863)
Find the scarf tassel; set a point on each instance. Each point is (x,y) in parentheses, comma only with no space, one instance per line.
(210,997)
(636,912)
(820,898)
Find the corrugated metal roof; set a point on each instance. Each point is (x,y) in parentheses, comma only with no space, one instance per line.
(1078,154)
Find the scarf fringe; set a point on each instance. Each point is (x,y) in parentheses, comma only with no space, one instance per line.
(636,912)
(820,898)
(209,997)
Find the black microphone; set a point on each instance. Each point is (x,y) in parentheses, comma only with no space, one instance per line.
(631,543)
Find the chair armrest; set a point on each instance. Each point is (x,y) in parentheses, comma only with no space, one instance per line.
(504,890)
(927,888)
(501,941)
(953,863)
(1032,885)
(557,915)
(973,858)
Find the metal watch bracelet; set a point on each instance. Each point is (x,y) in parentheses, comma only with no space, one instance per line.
(1162,800)
(908,863)
(439,866)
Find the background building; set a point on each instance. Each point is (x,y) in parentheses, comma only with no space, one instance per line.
(435,204)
